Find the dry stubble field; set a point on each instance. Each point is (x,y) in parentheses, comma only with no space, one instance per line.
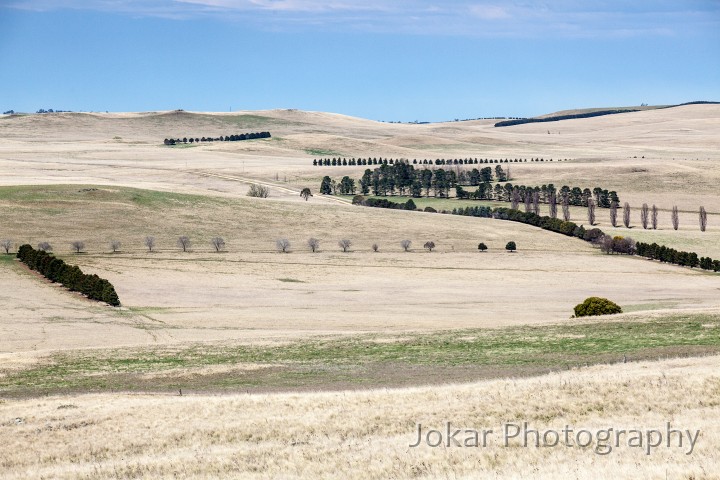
(253,320)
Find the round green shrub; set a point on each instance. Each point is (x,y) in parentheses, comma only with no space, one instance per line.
(597,306)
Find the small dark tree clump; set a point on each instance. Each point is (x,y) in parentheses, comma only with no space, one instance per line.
(482,247)
(429,246)
(511,247)
(596,306)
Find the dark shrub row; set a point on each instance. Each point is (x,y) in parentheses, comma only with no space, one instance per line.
(226,138)
(342,162)
(385,203)
(670,255)
(69,276)
(483,212)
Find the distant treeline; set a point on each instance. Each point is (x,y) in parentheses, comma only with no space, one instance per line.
(226,138)
(599,113)
(69,276)
(403,178)
(342,162)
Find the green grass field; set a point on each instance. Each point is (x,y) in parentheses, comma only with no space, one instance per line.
(352,360)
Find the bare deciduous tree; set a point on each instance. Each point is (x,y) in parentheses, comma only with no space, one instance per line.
(305,193)
(675,217)
(150,243)
(429,246)
(115,245)
(591,211)
(184,242)
(606,244)
(566,208)
(644,215)
(258,191)
(654,217)
(626,215)
(405,244)
(703,219)
(613,213)
(552,201)
(515,198)
(528,201)
(344,244)
(45,247)
(536,203)
(283,245)
(218,243)
(375,247)
(78,246)
(314,244)
(6,245)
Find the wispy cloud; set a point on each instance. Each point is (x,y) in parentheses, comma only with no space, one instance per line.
(579,18)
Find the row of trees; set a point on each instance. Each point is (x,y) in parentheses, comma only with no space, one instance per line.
(532,197)
(342,162)
(283,245)
(226,138)
(69,276)
(78,246)
(649,216)
(404,179)
(608,243)
(670,255)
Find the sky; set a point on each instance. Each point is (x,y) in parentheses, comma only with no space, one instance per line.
(403,60)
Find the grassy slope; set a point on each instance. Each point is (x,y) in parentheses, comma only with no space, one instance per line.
(357,360)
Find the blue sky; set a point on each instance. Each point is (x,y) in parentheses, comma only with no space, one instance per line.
(402,60)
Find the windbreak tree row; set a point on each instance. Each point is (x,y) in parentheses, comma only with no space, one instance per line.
(343,161)
(69,276)
(221,138)
(404,179)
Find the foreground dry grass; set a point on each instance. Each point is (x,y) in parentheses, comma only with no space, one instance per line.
(367,434)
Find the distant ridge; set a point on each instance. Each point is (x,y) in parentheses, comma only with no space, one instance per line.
(595,113)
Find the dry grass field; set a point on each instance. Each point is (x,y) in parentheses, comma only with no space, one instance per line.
(366,434)
(251,335)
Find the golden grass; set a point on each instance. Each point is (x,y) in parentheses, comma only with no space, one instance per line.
(366,434)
